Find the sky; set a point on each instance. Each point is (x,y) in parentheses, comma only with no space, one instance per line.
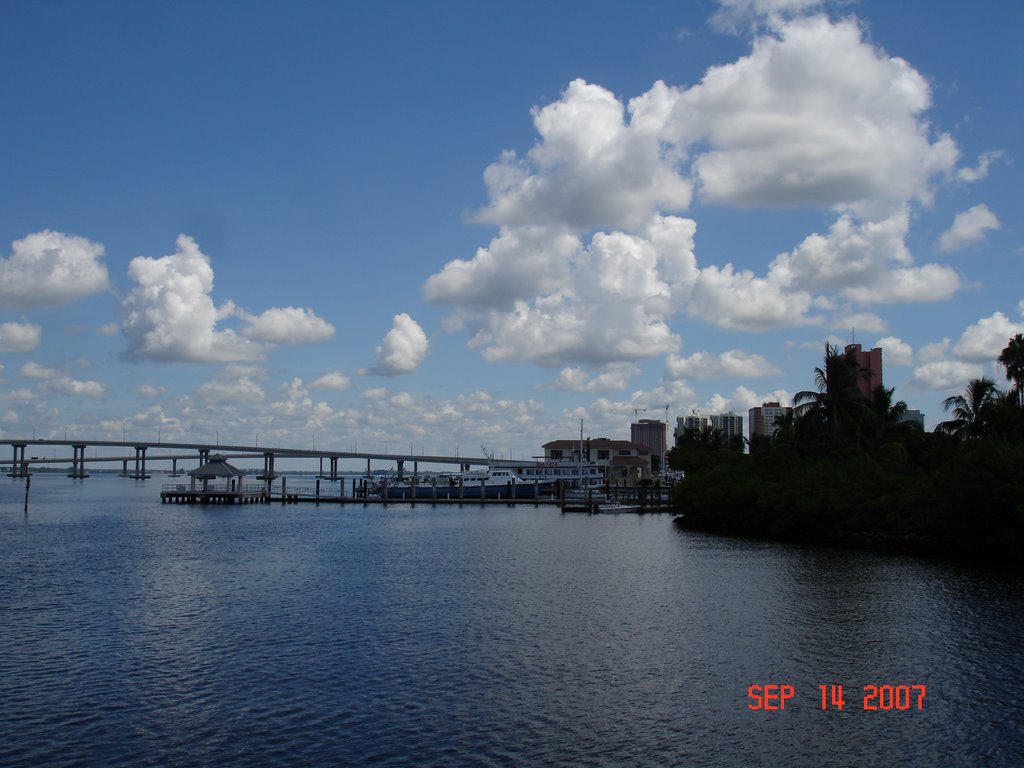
(446,227)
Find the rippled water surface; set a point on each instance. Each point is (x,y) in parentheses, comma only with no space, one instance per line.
(134,633)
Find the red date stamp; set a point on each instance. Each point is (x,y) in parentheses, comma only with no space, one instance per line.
(875,698)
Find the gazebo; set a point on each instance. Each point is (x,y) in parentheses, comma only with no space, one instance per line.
(232,492)
(217,466)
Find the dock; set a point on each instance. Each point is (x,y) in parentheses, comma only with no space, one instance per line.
(625,499)
(178,493)
(273,487)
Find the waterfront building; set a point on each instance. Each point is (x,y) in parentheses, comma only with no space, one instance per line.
(764,418)
(729,424)
(694,422)
(621,460)
(652,435)
(913,416)
(871,364)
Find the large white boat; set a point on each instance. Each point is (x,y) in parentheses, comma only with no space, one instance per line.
(573,475)
(491,483)
(503,479)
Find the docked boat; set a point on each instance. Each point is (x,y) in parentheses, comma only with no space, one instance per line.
(594,507)
(615,508)
(491,483)
(574,476)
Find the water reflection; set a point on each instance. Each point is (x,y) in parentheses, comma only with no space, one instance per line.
(134,632)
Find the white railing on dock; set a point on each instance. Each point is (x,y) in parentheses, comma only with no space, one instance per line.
(304,491)
(212,488)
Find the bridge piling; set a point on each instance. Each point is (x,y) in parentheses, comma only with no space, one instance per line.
(140,463)
(19,467)
(78,462)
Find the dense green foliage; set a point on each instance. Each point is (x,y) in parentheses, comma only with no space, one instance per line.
(844,468)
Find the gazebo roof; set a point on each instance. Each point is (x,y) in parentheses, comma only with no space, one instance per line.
(216,466)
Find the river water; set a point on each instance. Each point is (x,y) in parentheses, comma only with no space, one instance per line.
(134,633)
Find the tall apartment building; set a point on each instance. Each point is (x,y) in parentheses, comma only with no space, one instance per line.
(730,424)
(870,362)
(763,418)
(694,422)
(652,435)
(913,415)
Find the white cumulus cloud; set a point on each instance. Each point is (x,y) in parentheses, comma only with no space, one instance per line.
(931,282)
(968,228)
(983,341)
(228,390)
(592,167)
(286,325)
(614,378)
(814,115)
(706,365)
(170,314)
(518,265)
(334,380)
(614,308)
(33,370)
(19,337)
(854,256)
(23,395)
(57,381)
(895,351)
(980,171)
(404,347)
(68,386)
(945,375)
(49,269)
(741,300)
(150,390)
(948,365)
(592,264)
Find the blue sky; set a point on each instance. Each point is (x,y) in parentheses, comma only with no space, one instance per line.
(396,225)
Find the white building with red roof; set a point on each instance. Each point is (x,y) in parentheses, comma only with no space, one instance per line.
(621,460)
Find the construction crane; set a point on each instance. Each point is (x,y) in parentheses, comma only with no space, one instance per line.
(637,411)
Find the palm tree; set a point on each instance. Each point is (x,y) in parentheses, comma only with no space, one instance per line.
(885,426)
(1012,358)
(969,408)
(833,411)
(889,412)
(784,428)
(1003,418)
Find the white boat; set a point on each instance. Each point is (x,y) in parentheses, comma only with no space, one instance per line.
(603,507)
(615,508)
(573,475)
(491,483)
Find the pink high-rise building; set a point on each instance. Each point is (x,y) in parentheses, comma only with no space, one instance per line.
(871,362)
(763,418)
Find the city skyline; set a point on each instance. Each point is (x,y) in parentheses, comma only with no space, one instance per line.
(440,228)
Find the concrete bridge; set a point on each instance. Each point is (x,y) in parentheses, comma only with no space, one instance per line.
(24,456)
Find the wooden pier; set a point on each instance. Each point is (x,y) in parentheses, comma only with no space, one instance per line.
(183,494)
(624,499)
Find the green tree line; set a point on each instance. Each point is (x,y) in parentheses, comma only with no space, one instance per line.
(842,467)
